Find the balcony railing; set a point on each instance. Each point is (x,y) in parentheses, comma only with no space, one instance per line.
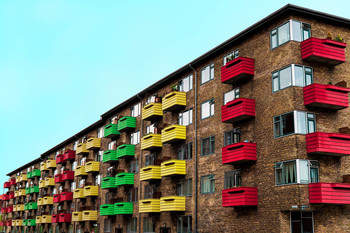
(173,133)
(23,177)
(172,203)
(126,123)
(152,111)
(123,208)
(54,218)
(150,173)
(48,201)
(77,216)
(58,178)
(240,196)
(49,182)
(92,167)
(81,149)
(36,173)
(111,131)
(107,209)
(329,193)
(173,167)
(34,189)
(60,159)
(68,175)
(50,163)
(151,141)
(110,156)
(238,70)
(238,110)
(89,215)
(174,101)
(333,144)
(66,196)
(93,143)
(43,167)
(7,185)
(56,198)
(108,183)
(125,150)
(239,152)
(80,171)
(79,193)
(90,191)
(69,155)
(46,219)
(33,206)
(149,206)
(124,179)
(323,51)
(63,217)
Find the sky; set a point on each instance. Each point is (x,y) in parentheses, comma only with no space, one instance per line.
(64,63)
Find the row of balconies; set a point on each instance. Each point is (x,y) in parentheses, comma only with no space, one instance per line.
(87,215)
(122,151)
(119,180)
(87,191)
(168,168)
(67,175)
(66,156)
(64,196)
(116,208)
(89,167)
(163,204)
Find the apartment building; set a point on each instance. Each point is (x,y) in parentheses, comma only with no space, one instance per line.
(252,136)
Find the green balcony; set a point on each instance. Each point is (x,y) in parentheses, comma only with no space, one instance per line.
(108,183)
(36,173)
(124,179)
(33,206)
(126,123)
(26,206)
(125,150)
(123,208)
(31,222)
(28,190)
(111,131)
(34,189)
(110,156)
(106,210)
(29,175)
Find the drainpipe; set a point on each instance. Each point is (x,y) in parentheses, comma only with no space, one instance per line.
(141,133)
(195,152)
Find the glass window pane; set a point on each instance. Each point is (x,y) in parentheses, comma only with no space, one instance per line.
(205,75)
(277,126)
(301,122)
(304,171)
(274,39)
(299,76)
(212,72)
(275,84)
(311,126)
(283,33)
(313,175)
(205,146)
(279,177)
(229,96)
(287,123)
(296,31)
(212,109)
(285,77)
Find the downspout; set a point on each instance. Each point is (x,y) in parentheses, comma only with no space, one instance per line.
(141,133)
(195,152)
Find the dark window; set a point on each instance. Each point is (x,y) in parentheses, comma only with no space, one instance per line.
(232,136)
(132,195)
(232,179)
(184,187)
(131,225)
(185,152)
(301,222)
(149,191)
(148,225)
(207,184)
(150,159)
(184,224)
(134,166)
(208,146)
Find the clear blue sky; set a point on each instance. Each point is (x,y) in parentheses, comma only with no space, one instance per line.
(64,63)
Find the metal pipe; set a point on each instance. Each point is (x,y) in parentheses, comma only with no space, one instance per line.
(141,133)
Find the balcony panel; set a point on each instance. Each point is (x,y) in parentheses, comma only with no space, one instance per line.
(29,175)
(66,196)
(43,167)
(173,167)
(48,201)
(68,175)
(238,110)
(54,218)
(49,182)
(11,195)
(239,152)
(152,111)
(238,70)
(324,51)
(23,177)
(26,206)
(50,163)
(150,173)
(20,207)
(33,206)
(126,123)
(90,191)
(27,190)
(89,215)
(21,192)
(38,219)
(34,189)
(18,179)
(123,208)
(19,222)
(92,167)
(173,133)
(332,144)
(124,179)
(329,97)
(78,193)
(174,101)
(60,159)
(9,223)
(240,196)
(111,131)
(65,217)
(125,150)
(172,203)
(5,197)
(77,216)
(151,141)
(107,209)
(110,156)
(80,171)
(40,201)
(329,193)
(13,222)
(93,143)
(46,219)
(149,206)
(58,178)
(69,155)
(108,183)
(36,173)
(56,198)
(4,210)
(81,149)
(31,222)
(13,181)
(10,209)
(7,185)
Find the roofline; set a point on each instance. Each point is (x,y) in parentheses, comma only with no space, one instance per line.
(25,166)
(289,8)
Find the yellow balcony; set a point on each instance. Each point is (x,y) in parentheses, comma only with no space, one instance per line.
(46,219)
(49,182)
(23,177)
(89,215)
(14,208)
(92,167)
(173,133)
(19,222)
(80,171)
(174,101)
(50,163)
(20,207)
(16,193)
(42,184)
(81,149)
(149,206)
(21,192)
(48,201)
(77,216)
(172,203)
(152,111)
(18,179)
(93,143)
(40,201)
(90,191)
(173,167)
(43,167)
(78,193)
(151,141)
(13,222)
(150,173)
(38,219)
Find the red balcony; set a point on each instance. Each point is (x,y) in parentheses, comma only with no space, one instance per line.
(329,193)
(333,144)
(237,70)
(239,152)
(11,195)
(323,51)
(326,96)
(6,197)
(8,223)
(66,196)
(7,185)
(2,223)
(65,217)
(56,198)
(13,181)
(60,159)
(58,178)
(238,110)
(68,175)
(69,155)
(54,218)
(240,196)
(10,209)
(4,210)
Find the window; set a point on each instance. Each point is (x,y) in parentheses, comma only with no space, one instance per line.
(99,156)
(150,128)
(135,138)
(185,118)
(149,191)
(231,95)
(107,225)
(100,132)
(229,57)
(184,224)
(81,183)
(151,99)
(135,110)
(150,159)
(148,225)
(232,179)
(134,166)
(98,180)
(185,151)
(207,73)
(208,146)
(74,165)
(207,184)
(301,222)
(207,109)
(291,30)
(75,145)
(232,136)
(294,122)
(82,161)
(184,188)
(186,83)
(132,195)
(292,75)
(112,145)
(299,171)
(131,225)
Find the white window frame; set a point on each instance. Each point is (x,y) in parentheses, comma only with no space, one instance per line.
(227,97)
(186,84)
(211,103)
(135,136)
(211,73)
(100,132)
(135,110)
(182,116)
(234,54)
